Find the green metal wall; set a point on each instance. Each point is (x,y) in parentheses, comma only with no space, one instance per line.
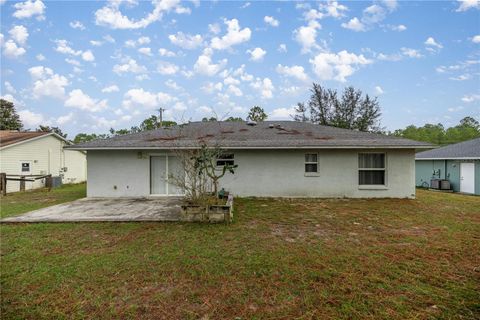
(424,172)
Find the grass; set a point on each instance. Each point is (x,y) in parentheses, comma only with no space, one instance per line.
(280,259)
(21,202)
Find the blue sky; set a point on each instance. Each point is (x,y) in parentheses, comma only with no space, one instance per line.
(86,66)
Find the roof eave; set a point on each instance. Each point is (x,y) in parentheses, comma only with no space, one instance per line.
(254,148)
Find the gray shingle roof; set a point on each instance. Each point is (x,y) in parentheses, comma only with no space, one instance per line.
(467,150)
(240,135)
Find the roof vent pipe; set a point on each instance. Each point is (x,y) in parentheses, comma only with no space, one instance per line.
(271,126)
(251,123)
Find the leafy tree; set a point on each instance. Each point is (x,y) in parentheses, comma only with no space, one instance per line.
(257,114)
(206,163)
(234,119)
(153,122)
(9,118)
(350,111)
(85,137)
(467,129)
(56,130)
(211,119)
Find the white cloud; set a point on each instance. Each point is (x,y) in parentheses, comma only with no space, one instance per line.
(212,87)
(62,120)
(354,24)
(205,66)
(234,36)
(111,16)
(337,66)
(399,28)
(468,4)
(19,34)
(297,72)
(167,68)
(306,36)
(333,9)
(379,90)
(72,62)
(214,28)
(63,47)
(411,53)
(88,56)
(204,110)
(282,114)
(145,51)
(78,99)
(186,41)
(146,99)
(130,66)
(109,89)
(40,57)
(31,119)
(47,83)
(165,53)
(282,47)
(471,98)
(373,14)
(235,90)
(172,84)
(257,54)
(96,43)
(143,40)
(476,39)
(271,21)
(265,87)
(29,9)
(9,87)
(431,42)
(109,38)
(11,50)
(461,77)
(77,25)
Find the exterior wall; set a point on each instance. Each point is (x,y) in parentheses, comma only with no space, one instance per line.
(117,174)
(260,173)
(449,169)
(477,177)
(47,156)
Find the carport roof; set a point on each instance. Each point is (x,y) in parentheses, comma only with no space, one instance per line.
(241,135)
(463,150)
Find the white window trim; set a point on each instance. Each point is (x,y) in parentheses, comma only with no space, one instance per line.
(373,186)
(311,174)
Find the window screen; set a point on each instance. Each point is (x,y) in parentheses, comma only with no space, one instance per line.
(311,162)
(371,168)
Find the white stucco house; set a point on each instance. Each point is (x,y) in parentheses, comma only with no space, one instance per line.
(274,158)
(39,153)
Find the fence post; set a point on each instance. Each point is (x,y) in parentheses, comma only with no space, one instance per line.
(48,182)
(22,183)
(3,183)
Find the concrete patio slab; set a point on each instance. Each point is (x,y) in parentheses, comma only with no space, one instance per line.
(103,209)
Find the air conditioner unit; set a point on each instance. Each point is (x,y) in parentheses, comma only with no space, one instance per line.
(435,183)
(445,185)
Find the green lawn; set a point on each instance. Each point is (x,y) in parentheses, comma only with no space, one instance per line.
(280,259)
(21,202)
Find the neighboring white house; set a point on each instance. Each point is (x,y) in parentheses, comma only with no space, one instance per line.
(38,153)
(279,159)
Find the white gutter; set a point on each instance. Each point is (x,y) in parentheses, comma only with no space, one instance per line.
(450,158)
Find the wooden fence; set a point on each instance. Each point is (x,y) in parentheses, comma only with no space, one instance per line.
(4,177)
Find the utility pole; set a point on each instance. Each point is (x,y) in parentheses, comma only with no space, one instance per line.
(160,111)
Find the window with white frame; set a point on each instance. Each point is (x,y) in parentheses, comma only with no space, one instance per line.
(371,168)
(311,162)
(226,159)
